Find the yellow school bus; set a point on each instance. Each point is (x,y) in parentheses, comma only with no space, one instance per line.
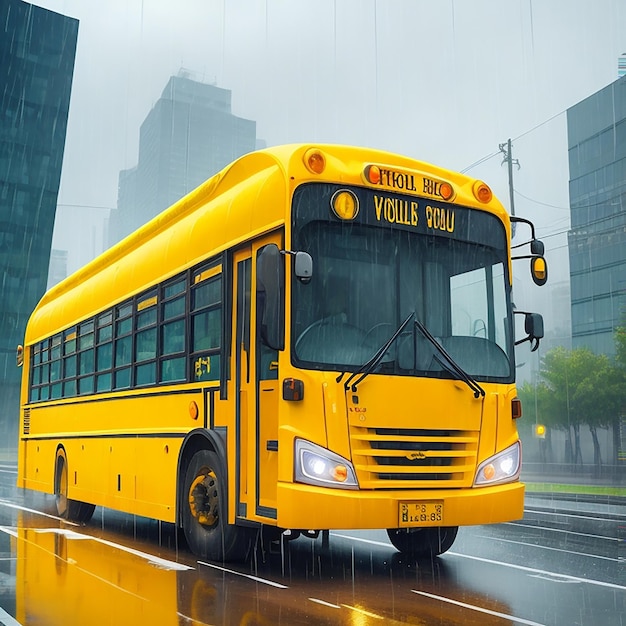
(318,337)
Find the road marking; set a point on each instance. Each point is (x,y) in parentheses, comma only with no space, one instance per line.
(574,515)
(533,570)
(71,534)
(265,581)
(362,611)
(151,558)
(560,530)
(10,505)
(566,577)
(517,620)
(332,606)
(534,545)
(7,620)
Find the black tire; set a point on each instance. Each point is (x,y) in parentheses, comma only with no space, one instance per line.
(423,542)
(71,510)
(205,513)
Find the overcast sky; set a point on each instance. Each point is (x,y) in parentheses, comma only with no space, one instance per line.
(440,80)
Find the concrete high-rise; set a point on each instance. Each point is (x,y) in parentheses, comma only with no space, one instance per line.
(189,135)
(37,50)
(596,129)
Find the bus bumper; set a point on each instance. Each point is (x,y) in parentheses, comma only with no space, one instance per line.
(315,508)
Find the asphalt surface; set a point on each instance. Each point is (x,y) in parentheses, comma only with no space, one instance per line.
(561,564)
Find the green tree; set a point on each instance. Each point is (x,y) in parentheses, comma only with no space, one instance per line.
(584,390)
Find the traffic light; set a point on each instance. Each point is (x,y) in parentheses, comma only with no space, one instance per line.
(540,431)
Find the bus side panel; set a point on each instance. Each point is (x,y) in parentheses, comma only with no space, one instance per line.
(130,463)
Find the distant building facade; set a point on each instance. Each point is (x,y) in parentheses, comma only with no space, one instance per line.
(189,135)
(37,50)
(596,129)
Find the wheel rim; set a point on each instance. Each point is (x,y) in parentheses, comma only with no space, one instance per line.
(203,499)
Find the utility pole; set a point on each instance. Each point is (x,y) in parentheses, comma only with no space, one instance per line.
(506,149)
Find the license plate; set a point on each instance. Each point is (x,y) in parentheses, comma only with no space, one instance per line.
(421,514)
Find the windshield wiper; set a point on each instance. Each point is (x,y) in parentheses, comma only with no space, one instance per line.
(450,364)
(369,365)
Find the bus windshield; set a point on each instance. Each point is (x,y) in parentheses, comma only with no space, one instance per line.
(368,278)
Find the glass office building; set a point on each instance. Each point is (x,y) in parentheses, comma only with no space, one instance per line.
(37,50)
(596,129)
(189,135)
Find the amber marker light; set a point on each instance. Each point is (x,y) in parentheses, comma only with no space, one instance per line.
(345,204)
(340,473)
(193,410)
(372,174)
(314,160)
(489,472)
(516,408)
(482,192)
(446,191)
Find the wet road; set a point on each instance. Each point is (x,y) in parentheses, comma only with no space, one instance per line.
(560,565)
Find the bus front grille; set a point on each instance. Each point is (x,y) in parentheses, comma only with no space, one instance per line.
(408,458)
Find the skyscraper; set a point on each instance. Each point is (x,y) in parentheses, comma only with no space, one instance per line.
(596,129)
(37,50)
(189,135)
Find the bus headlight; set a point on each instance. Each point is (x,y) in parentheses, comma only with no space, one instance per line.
(503,467)
(318,466)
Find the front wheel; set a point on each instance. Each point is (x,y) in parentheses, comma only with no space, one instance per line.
(205,513)
(423,542)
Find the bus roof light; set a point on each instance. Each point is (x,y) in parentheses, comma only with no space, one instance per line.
(446,191)
(315,161)
(482,192)
(372,174)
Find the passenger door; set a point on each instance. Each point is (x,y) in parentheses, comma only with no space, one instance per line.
(255,372)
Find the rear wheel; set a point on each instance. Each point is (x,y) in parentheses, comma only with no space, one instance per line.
(71,510)
(422,542)
(205,512)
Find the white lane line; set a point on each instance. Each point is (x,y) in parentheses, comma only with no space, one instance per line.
(332,606)
(595,519)
(362,611)
(151,558)
(534,545)
(8,471)
(70,534)
(265,581)
(7,620)
(534,570)
(10,505)
(516,620)
(565,577)
(561,530)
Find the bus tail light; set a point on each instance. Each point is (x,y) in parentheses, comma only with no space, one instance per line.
(318,466)
(503,467)
(516,408)
(315,160)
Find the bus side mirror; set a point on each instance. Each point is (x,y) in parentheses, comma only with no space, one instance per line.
(539,270)
(19,356)
(537,248)
(303,267)
(270,290)
(533,326)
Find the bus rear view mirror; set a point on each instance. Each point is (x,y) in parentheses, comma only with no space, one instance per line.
(271,296)
(303,266)
(537,247)
(533,326)
(539,270)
